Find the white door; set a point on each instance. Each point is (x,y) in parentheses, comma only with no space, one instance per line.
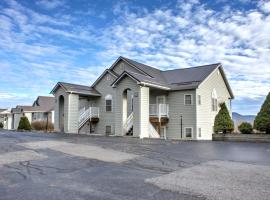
(160,99)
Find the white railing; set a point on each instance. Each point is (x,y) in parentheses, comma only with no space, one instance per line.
(129,123)
(86,114)
(159,110)
(153,132)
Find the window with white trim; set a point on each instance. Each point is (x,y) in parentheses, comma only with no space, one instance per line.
(108,103)
(199,100)
(199,132)
(188,132)
(188,99)
(214,100)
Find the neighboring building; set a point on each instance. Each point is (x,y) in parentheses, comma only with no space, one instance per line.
(44,108)
(41,110)
(7,119)
(2,116)
(131,98)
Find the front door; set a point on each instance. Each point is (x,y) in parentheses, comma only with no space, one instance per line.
(160,100)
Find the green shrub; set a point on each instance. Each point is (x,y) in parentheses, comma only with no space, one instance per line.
(245,128)
(42,125)
(24,124)
(1,125)
(223,120)
(262,120)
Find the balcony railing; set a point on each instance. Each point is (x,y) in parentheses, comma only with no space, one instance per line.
(159,110)
(86,114)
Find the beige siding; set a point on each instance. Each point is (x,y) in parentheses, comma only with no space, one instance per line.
(17,118)
(29,117)
(105,118)
(8,122)
(73,113)
(205,115)
(144,111)
(177,108)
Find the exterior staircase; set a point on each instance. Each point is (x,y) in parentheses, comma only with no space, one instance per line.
(153,132)
(128,126)
(87,114)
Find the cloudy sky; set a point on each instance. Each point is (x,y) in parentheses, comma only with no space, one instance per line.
(43,42)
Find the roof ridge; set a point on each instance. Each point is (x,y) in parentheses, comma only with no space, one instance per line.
(191,67)
(141,63)
(75,84)
(138,74)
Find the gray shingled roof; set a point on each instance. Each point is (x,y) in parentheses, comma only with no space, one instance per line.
(177,79)
(45,103)
(76,89)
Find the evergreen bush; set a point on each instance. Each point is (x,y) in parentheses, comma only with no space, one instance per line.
(223,120)
(262,120)
(245,128)
(24,124)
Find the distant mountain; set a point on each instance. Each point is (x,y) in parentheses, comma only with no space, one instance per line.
(238,119)
(242,118)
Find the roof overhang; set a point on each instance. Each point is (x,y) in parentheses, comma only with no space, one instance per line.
(142,83)
(219,67)
(56,87)
(126,61)
(125,73)
(71,91)
(102,75)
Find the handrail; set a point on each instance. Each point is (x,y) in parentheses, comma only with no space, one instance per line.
(86,114)
(152,131)
(129,123)
(159,110)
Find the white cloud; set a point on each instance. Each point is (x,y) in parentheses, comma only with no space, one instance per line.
(195,35)
(50,4)
(47,47)
(265,6)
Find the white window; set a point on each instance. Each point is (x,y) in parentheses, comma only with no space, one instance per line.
(160,99)
(199,100)
(108,103)
(214,100)
(188,99)
(200,132)
(188,132)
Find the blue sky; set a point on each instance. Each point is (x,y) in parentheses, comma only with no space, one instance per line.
(43,42)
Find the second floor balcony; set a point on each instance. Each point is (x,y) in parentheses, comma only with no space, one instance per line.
(159,110)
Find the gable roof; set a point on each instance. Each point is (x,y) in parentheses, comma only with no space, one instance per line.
(44,102)
(76,89)
(103,74)
(177,79)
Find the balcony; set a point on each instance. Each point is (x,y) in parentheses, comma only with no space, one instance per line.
(159,113)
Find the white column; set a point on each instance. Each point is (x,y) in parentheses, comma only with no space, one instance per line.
(73,113)
(144,112)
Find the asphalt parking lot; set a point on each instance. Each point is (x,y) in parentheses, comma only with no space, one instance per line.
(58,166)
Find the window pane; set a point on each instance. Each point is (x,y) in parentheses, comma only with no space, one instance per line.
(188,99)
(188,132)
(108,105)
(200,132)
(199,99)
